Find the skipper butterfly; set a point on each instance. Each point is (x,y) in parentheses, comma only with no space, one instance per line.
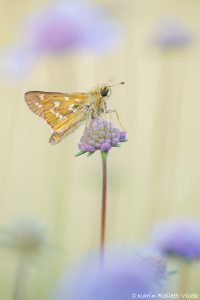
(65,112)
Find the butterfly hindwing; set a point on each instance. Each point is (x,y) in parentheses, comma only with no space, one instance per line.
(68,127)
(63,108)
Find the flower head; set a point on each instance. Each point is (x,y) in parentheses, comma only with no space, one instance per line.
(71,24)
(171,34)
(180,237)
(61,27)
(101,135)
(25,237)
(121,276)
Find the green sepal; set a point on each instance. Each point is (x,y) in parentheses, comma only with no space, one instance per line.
(90,154)
(117,145)
(172,272)
(104,154)
(79,153)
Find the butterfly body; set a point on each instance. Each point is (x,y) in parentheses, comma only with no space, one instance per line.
(65,112)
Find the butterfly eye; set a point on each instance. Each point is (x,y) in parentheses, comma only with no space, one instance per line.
(105,92)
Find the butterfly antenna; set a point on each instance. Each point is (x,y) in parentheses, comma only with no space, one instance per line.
(122,82)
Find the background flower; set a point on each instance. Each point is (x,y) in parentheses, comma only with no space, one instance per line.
(121,275)
(26,237)
(61,27)
(171,33)
(180,237)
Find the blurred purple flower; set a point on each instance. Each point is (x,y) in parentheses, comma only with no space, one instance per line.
(17,61)
(61,27)
(180,237)
(101,135)
(171,34)
(121,276)
(67,25)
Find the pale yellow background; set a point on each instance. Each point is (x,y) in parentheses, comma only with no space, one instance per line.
(154,176)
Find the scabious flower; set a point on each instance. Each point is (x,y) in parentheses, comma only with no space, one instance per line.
(25,237)
(100,135)
(71,24)
(171,34)
(61,27)
(122,276)
(179,237)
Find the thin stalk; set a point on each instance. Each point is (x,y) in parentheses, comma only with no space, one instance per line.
(103,208)
(184,278)
(20,277)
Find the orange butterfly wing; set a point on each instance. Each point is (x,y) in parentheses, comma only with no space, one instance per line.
(62,111)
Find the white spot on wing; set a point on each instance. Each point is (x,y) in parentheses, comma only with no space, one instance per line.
(37,104)
(66,98)
(77,100)
(56,103)
(41,96)
(71,107)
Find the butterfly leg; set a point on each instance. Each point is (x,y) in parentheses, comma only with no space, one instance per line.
(88,121)
(105,111)
(116,113)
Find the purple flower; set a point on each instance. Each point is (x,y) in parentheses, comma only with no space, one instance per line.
(61,27)
(180,237)
(17,61)
(122,276)
(101,135)
(69,25)
(171,34)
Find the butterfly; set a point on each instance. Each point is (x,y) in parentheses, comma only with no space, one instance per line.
(65,112)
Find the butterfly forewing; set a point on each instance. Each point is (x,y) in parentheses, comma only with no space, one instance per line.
(35,101)
(56,108)
(64,112)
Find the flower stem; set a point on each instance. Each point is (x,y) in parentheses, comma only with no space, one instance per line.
(184,278)
(103,209)
(20,276)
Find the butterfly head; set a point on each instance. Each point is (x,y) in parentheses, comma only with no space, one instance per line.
(105,90)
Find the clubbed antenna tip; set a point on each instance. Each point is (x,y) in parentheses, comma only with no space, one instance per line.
(122,82)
